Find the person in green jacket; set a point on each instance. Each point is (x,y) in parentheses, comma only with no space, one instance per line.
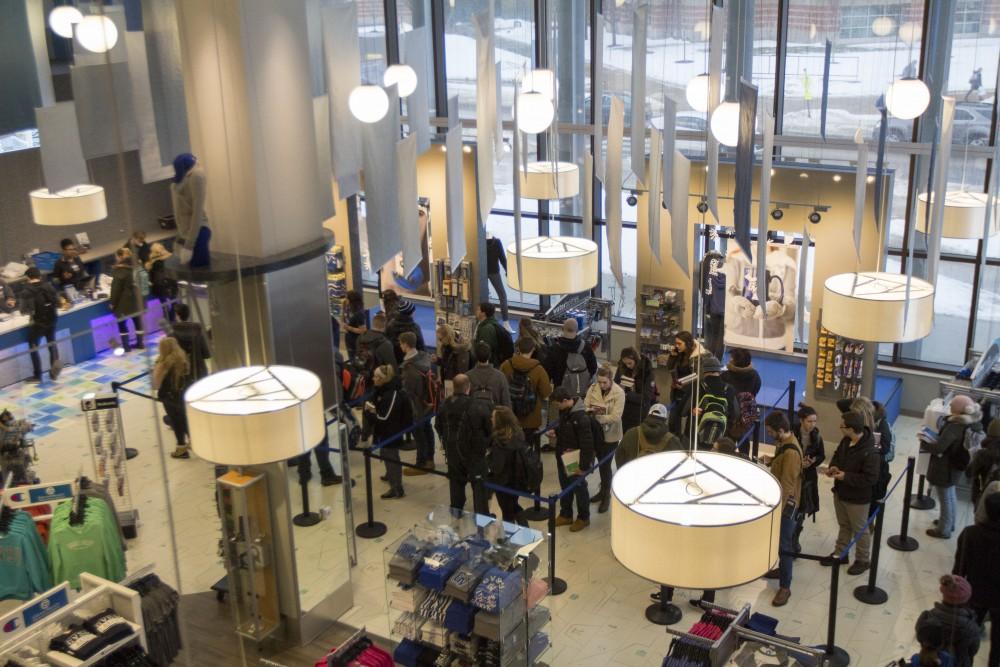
(651,436)
(488,331)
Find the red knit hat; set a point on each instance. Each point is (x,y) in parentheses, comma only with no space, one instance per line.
(955,590)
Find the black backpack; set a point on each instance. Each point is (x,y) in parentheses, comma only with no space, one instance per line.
(481,392)
(596,431)
(44,306)
(522,393)
(505,343)
(528,471)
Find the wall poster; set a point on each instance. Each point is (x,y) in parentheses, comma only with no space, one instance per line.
(839,365)
(745,321)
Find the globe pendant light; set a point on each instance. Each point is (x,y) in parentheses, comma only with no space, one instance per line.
(697,93)
(62,19)
(534,113)
(369,104)
(403,77)
(726,123)
(907,98)
(883,26)
(540,81)
(97,34)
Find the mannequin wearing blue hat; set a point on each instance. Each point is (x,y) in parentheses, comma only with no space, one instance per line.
(188,193)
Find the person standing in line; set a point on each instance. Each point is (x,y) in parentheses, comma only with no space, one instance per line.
(562,354)
(356,321)
(526,329)
(465,426)
(191,337)
(162,286)
(985,464)
(415,372)
(813,454)
(955,619)
(605,400)
(882,436)
(652,436)
(942,472)
(171,377)
(488,383)
(976,559)
(854,469)
(40,302)
(138,246)
(374,348)
(508,450)
(684,359)
(745,381)
(489,331)
(390,305)
(451,357)
(125,302)
(388,412)
(786,466)
(399,324)
(496,258)
(529,388)
(635,376)
(573,433)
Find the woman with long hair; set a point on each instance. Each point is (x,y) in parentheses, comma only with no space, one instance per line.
(508,447)
(806,429)
(171,375)
(452,357)
(388,412)
(635,376)
(124,300)
(526,329)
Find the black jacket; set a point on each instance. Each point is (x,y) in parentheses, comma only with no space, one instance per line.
(502,460)
(464,426)
(814,448)
(574,432)
(72,266)
(453,360)
(161,285)
(860,464)
(393,412)
(413,374)
(40,302)
(958,628)
(982,466)
(940,471)
(742,379)
(191,337)
(976,559)
(559,350)
(640,391)
(376,348)
(401,324)
(495,256)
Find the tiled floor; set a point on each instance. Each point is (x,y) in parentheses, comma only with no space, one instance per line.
(598,621)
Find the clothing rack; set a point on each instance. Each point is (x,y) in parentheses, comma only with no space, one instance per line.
(139,574)
(32,495)
(720,650)
(346,646)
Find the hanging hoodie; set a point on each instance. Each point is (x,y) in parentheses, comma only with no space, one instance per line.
(745,326)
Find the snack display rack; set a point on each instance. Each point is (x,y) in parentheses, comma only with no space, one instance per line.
(839,365)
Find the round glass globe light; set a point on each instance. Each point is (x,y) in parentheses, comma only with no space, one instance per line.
(883,26)
(910,32)
(97,34)
(534,113)
(403,77)
(697,93)
(62,19)
(539,81)
(369,104)
(907,98)
(726,123)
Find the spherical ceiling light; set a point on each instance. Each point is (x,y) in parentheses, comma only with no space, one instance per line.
(697,93)
(62,19)
(883,26)
(540,81)
(369,104)
(403,77)
(907,98)
(910,32)
(97,33)
(726,123)
(534,112)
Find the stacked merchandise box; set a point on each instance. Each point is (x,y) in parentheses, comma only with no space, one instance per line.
(839,365)
(659,319)
(466,589)
(336,279)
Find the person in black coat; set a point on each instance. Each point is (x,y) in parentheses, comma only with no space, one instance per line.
(745,381)
(854,469)
(573,432)
(507,443)
(464,425)
(635,375)
(955,619)
(40,302)
(388,412)
(401,323)
(985,464)
(813,454)
(976,559)
(496,258)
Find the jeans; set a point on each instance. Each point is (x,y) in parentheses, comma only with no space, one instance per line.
(424,435)
(497,283)
(123,330)
(35,333)
(852,518)
(458,476)
(786,548)
(581,494)
(603,450)
(947,499)
(392,468)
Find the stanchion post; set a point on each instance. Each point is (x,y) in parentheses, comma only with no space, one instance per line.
(536,512)
(306,518)
(870,593)
(755,444)
(791,399)
(371,528)
(903,541)
(920,501)
(835,656)
(556,585)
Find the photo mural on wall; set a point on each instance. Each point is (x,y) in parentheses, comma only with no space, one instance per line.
(751,322)
(395,275)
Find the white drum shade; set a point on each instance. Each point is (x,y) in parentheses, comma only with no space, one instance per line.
(255,414)
(548,180)
(963,214)
(553,265)
(73,206)
(695,520)
(870,306)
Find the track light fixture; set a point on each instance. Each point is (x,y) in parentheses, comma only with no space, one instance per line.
(815,217)
(702,206)
(777,214)
(632,199)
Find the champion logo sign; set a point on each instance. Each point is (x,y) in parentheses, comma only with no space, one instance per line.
(12,625)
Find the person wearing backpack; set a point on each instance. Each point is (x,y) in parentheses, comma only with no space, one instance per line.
(786,466)
(713,405)
(451,357)
(399,324)
(950,457)
(574,432)
(635,376)
(124,301)
(489,331)
(605,402)
(488,384)
(423,389)
(985,464)
(652,436)
(162,286)
(529,387)
(745,381)
(571,362)
(464,426)
(512,463)
(40,302)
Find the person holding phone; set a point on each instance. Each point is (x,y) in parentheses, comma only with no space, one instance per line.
(855,470)
(786,466)
(806,428)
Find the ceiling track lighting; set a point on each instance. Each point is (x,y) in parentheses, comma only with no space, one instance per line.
(777,213)
(632,200)
(702,206)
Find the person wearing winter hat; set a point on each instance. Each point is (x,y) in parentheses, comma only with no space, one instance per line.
(941,472)
(401,323)
(975,559)
(955,619)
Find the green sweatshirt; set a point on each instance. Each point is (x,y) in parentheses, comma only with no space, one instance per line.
(92,546)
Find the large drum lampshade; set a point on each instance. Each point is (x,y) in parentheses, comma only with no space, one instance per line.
(553,265)
(77,205)
(963,214)
(696,520)
(255,414)
(871,306)
(550,180)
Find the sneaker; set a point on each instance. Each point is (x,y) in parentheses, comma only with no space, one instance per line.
(331,480)
(579,525)
(56,368)
(781,597)
(563,521)
(655,597)
(392,493)
(831,559)
(771,574)
(858,567)
(421,470)
(941,535)
(604,506)
(180,453)
(33,380)
(695,602)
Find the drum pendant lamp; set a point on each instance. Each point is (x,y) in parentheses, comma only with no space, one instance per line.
(871,306)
